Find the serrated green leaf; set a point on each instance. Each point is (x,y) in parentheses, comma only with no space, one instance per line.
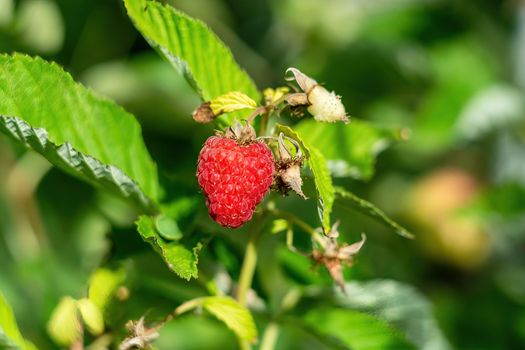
(64,325)
(348,198)
(400,305)
(178,257)
(231,102)
(233,314)
(356,330)
(10,337)
(84,135)
(192,48)
(350,149)
(322,179)
(323,183)
(92,316)
(102,285)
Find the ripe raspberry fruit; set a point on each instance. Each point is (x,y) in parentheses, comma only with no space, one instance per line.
(235,173)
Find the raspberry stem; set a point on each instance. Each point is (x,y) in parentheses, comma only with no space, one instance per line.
(248,269)
(250,260)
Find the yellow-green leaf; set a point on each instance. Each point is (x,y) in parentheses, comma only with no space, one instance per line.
(10,337)
(102,286)
(92,316)
(64,325)
(237,317)
(231,102)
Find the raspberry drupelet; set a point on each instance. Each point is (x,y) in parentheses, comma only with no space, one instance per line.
(235,176)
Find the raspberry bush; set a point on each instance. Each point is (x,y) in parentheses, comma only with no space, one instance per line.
(260,228)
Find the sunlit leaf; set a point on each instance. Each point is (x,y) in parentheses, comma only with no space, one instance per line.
(92,316)
(279,225)
(10,337)
(192,48)
(461,68)
(179,258)
(87,136)
(231,102)
(234,315)
(64,325)
(351,149)
(347,198)
(399,304)
(103,284)
(320,171)
(356,330)
(493,108)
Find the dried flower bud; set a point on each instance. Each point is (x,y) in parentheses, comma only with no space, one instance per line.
(325,106)
(334,256)
(140,336)
(203,114)
(288,169)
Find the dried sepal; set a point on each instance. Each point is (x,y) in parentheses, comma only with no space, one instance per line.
(297,99)
(243,134)
(334,256)
(304,81)
(288,168)
(140,336)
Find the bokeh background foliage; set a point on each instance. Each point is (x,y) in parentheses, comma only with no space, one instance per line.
(450,73)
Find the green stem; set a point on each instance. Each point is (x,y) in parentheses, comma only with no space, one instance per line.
(248,269)
(297,221)
(264,123)
(270,336)
(182,308)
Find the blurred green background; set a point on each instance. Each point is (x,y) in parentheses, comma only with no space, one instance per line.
(451,71)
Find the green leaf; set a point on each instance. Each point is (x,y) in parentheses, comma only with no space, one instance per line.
(192,48)
(10,337)
(64,325)
(346,198)
(279,225)
(231,102)
(322,179)
(400,305)
(102,286)
(168,228)
(86,136)
(92,316)
(177,216)
(356,330)
(178,257)
(351,149)
(234,315)
(323,183)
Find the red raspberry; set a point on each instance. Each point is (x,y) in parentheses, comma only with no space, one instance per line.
(234,178)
